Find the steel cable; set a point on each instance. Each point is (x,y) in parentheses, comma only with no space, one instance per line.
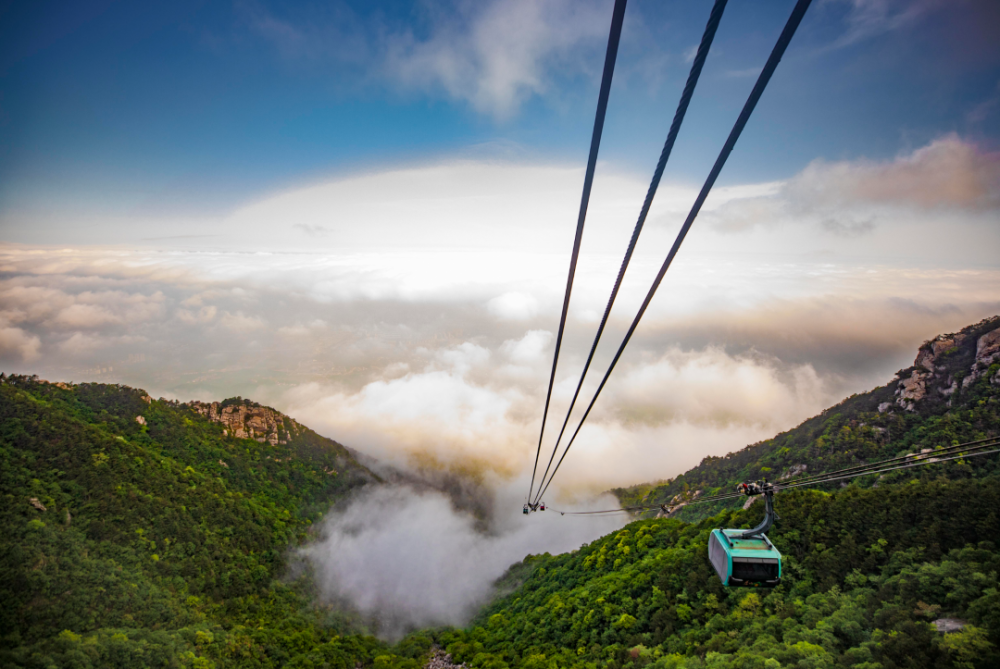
(943,451)
(699,61)
(614,37)
(765,76)
(977,448)
(928,461)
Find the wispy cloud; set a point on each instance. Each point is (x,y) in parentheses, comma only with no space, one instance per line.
(870,18)
(493,55)
(496,54)
(949,179)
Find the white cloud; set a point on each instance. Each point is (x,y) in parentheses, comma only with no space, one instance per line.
(241,322)
(530,349)
(885,210)
(15,342)
(83,316)
(948,172)
(204,315)
(871,18)
(513,306)
(408,559)
(496,54)
(711,387)
(80,343)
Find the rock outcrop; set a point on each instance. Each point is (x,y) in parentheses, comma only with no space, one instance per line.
(987,354)
(795,470)
(441,660)
(248,420)
(947,625)
(942,365)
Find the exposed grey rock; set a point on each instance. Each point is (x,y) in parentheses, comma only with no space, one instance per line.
(946,625)
(988,347)
(441,660)
(793,471)
(912,390)
(243,421)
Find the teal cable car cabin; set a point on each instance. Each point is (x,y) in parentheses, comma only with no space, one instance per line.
(747,557)
(744,561)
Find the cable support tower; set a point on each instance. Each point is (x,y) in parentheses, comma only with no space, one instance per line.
(765,76)
(611,56)
(682,106)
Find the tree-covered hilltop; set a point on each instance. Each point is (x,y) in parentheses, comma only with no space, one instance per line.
(869,577)
(136,534)
(950,395)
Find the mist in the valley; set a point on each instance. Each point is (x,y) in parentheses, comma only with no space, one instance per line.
(404,557)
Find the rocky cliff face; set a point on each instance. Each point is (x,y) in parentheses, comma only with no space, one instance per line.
(950,362)
(248,420)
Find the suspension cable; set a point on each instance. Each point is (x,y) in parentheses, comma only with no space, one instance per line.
(971,449)
(929,461)
(699,61)
(765,76)
(946,450)
(614,37)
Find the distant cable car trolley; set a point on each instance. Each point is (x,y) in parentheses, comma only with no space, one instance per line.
(747,557)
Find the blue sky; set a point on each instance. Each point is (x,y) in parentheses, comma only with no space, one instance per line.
(197,106)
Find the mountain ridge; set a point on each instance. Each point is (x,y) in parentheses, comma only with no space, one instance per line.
(950,371)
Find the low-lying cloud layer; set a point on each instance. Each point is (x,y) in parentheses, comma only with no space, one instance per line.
(434,351)
(406,558)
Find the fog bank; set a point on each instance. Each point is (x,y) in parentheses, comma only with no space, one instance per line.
(406,558)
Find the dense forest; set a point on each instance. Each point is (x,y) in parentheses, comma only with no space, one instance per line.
(141,533)
(158,542)
(866,573)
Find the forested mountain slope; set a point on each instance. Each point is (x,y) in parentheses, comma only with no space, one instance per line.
(137,532)
(950,395)
(869,577)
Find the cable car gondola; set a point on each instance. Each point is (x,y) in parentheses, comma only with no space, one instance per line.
(747,557)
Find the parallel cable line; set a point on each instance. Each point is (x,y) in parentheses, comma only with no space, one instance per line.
(699,61)
(946,450)
(977,448)
(614,38)
(929,461)
(765,76)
